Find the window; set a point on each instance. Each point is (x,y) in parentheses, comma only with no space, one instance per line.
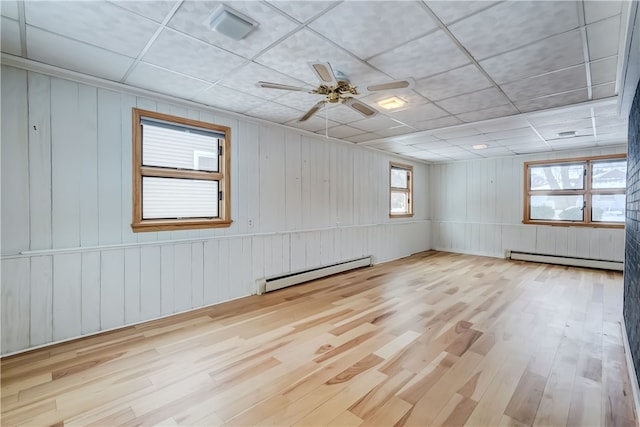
(400,190)
(583,191)
(180,173)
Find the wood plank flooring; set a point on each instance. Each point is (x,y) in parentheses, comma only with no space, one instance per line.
(432,339)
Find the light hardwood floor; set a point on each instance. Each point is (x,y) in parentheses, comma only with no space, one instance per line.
(432,339)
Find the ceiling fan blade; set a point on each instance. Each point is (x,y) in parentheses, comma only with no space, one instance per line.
(324,72)
(268,85)
(397,84)
(312,111)
(360,107)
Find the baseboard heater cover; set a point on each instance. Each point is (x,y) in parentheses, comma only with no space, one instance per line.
(269,284)
(561,260)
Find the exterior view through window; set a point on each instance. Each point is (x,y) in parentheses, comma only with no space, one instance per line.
(401,188)
(582,191)
(180,173)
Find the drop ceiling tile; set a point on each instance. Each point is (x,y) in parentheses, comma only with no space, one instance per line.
(192,18)
(558,100)
(274,112)
(598,10)
(428,155)
(530,149)
(479,100)
(302,10)
(516,142)
(426,56)
(581,127)
(451,11)
(369,28)
(554,53)
(604,70)
(292,55)
(451,83)
(195,58)
(492,151)
(396,131)
(604,91)
(504,124)
(602,38)
(559,117)
(509,25)
(150,77)
(524,132)
(468,141)
(312,124)
(43,46)
(375,123)
(246,79)
(416,138)
(156,10)
(488,113)
(299,100)
(9,8)
(571,142)
(393,147)
(10,36)
(344,131)
(102,24)
(418,113)
(437,123)
(228,99)
(432,145)
(365,137)
(339,113)
(547,84)
(457,132)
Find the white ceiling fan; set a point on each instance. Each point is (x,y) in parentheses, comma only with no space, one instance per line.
(336,87)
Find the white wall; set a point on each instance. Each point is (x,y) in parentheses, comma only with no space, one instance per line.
(71,265)
(478,209)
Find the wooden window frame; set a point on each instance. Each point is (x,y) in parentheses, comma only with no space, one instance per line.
(586,192)
(408,191)
(222,176)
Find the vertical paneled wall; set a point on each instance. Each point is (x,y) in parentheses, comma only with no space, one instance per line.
(632,247)
(478,209)
(71,264)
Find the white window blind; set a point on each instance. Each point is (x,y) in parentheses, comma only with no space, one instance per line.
(179,198)
(179,147)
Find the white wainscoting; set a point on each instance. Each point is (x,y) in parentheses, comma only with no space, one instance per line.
(71,265)
(478,209)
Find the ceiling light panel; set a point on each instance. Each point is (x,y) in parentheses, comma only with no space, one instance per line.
(347,23)
(516,24)
(426,56)
(191,18)
(102,24)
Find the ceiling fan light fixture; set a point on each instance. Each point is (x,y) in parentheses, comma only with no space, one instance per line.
(479,146)
(391,103)
(231,23)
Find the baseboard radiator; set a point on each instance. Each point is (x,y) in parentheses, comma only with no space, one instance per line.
(562,260)
(269,284)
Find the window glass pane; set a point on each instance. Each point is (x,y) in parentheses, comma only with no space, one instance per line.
(173,147)
(399,202)
(179,198)
(608,207)
(559,208)
(557,177)
(611,174)
(399,178)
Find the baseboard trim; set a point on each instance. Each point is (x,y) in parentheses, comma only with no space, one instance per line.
(631,370)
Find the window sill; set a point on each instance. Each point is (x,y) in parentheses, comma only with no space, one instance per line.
(164,225)
(575,224)
(401,215)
